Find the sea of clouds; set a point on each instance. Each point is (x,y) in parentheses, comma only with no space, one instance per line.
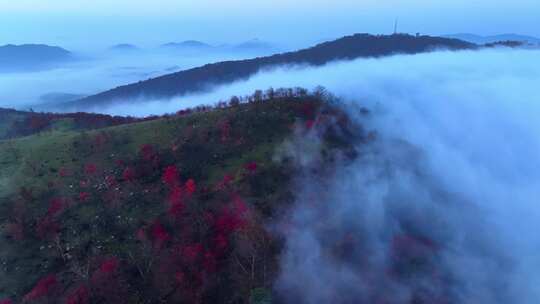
(456,161)
(97,71)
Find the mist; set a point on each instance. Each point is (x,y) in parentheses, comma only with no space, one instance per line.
(453,174)
(469,75)
(97,71)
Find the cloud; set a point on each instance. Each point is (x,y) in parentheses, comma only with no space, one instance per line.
(97,72)
(434,75)
(453,178)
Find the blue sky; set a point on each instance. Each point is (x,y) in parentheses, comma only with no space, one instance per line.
(98,23)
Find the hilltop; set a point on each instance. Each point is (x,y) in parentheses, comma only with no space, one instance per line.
(188,44)
(25,57)
(124,47)
(200,79)
(169,210)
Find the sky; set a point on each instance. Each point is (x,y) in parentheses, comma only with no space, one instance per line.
(88,24)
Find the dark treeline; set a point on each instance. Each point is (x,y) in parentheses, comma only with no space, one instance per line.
(201,78)
(20,123)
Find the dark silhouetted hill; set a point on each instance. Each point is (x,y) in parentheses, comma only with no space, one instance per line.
(188,44)
(200,79)
(124,47)
(24,57)
(254,45)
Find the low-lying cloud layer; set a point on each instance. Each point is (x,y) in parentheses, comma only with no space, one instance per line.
(453,177)
(99,71)
(470,75)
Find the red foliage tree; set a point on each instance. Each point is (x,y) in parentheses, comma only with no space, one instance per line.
(90,169)
(106,282)
(251,167)
(232,217)
(81,295)
(56,207)
(171,176)
(46,287)
(190,186)
(160,235)
(84,196)
(129,174)
(109,265)
(308,110)
(63,172)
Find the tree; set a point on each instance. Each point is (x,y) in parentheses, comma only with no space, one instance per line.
(270,93)
(234,101)
(48,287)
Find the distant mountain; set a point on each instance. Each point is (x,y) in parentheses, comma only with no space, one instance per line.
(188,44)
(25,57)
(495,38)
(200,79)
(124,47)
(254,45)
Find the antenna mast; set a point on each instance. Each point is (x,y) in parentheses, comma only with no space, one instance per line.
(395,26)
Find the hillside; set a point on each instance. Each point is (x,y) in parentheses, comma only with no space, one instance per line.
(202,78)
(15,123)
(171,210)
(26,57)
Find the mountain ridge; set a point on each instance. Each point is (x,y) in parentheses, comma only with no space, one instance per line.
(32,57)
(199,79)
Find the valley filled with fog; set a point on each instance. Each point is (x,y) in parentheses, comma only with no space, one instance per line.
(91,73)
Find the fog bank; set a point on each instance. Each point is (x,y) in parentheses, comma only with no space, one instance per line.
(452,180)
(99,71)
(470,75)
